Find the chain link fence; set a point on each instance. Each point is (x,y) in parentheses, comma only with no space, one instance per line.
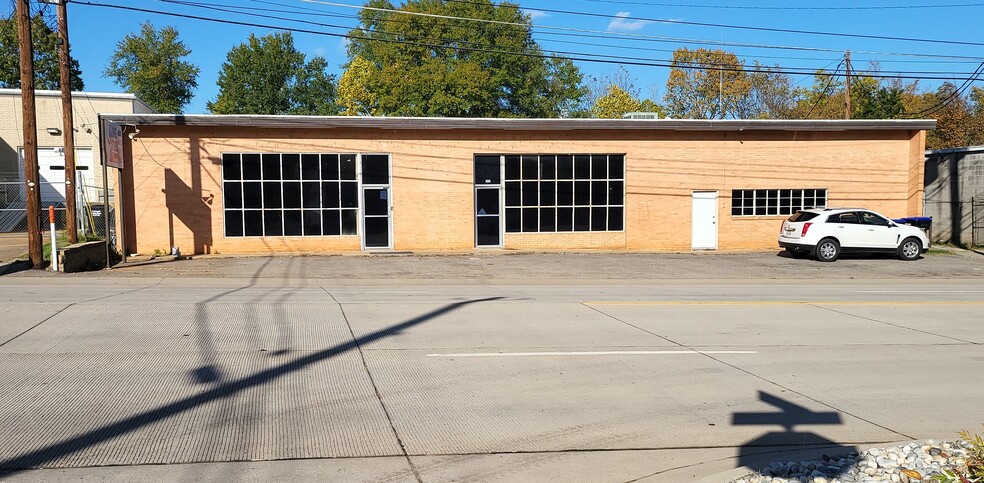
(977,215)
(91,207)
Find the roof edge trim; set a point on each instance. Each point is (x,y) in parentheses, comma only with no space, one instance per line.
(510,124)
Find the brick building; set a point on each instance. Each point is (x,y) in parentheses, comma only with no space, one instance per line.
(51,158)
(267,184)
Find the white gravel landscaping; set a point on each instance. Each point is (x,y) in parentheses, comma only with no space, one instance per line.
(913,462)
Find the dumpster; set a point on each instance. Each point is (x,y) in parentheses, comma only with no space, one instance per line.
(924,222)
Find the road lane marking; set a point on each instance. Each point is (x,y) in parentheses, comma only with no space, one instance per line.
(592,353)
(793,302)
(920,291)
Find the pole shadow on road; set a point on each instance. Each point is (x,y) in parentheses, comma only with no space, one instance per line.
(39,457)
(754,453)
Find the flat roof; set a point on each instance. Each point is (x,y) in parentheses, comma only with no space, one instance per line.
(510,124)
(123,96)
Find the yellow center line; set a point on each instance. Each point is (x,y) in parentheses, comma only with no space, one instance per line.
(772,302)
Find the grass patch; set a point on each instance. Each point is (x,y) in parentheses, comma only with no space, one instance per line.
(62,241)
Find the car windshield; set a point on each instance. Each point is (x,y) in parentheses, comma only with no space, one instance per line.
(802,216)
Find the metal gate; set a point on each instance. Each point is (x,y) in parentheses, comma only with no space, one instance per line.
(977,215)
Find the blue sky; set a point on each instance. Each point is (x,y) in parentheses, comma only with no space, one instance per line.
(646,30)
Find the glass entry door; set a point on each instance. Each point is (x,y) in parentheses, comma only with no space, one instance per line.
(376,219)
(488,231)
(377,229)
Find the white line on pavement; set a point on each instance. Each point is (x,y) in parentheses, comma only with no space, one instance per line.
(595,353)
(920,291)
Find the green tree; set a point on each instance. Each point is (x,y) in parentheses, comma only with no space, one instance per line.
(771,95)
(617,102)
(45,42)
(706,84)
(408,70)
(268,75)
(880,103)
(150,65)
(823,100)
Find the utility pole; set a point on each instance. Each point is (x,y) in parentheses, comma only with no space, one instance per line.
(847,68)
(31,188)
(68,130)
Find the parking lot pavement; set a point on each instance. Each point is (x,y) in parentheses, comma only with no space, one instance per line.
(485,267)
(159,373)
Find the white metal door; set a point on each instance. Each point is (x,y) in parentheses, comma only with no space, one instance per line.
(51,169)
(704,233)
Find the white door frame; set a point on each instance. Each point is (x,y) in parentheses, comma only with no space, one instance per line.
(704,235)
(389,202)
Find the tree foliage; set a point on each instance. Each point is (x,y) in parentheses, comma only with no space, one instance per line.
(268,75)
(442,65)
(771,95)
(150,65)
(354,95)
(45,42)
(959,120)
(617,102)
(706,84)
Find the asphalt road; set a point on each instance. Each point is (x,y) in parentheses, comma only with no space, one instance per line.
(151,374)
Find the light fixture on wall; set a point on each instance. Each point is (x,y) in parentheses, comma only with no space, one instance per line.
(54,131)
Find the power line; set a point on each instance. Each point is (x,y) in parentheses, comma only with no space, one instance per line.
(748,7)
(574,32)
(787,70)
(727,26)
(582,57)
(823,93)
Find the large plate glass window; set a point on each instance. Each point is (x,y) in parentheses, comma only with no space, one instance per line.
(546,193)
(776,202)
(289,194)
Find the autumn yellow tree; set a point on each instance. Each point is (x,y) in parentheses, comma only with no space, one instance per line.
(706,84)
(616,102)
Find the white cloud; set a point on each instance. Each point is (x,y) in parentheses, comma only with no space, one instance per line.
(536,14)
(343,45)
(621,23)
(319,52)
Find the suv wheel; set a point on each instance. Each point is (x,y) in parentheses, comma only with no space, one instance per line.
(910,249)
(827,250)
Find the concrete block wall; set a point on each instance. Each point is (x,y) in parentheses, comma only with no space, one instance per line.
(953,179)
(174,196)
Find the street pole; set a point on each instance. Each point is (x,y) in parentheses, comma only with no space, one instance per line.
(847,68)
(64,64)
(32,189)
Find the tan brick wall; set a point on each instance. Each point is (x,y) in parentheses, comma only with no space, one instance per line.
(433,187)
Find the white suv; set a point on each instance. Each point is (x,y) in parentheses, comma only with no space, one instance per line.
(823,233)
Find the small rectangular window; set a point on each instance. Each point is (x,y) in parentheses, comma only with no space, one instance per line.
(531,168)
(347,171)
(231,167)
(310,167)
(486,170)
(599,166)
(775,202)
(375,169)
(329,167)
(271,167)
(251,167)
(513,168)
